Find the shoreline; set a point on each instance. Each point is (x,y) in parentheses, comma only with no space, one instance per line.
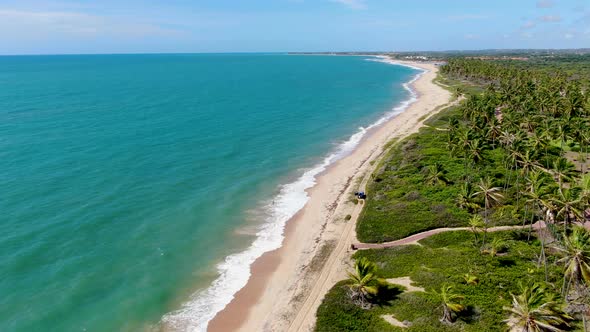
(235,270)
(287,284)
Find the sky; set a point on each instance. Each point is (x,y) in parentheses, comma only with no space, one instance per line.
(178,26)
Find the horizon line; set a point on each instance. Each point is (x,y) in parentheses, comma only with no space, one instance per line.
(299,52)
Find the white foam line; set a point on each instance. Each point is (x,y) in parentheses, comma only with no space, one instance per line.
(234,271)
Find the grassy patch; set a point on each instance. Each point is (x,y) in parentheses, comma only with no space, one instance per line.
(401,203)
(443,258)
(452,84)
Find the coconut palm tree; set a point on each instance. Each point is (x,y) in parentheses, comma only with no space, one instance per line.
(436,175)
(494,131)
(476,224)
(463,137)
(536,142)
(562,130)
(496,246)
(491,195)
(563,170)
(464,199)
(537,190)
(527,162)
(567,202)
(507,138)
(450,303)
(575,249)
(475,150)
(363,282)
(534,310)
(458,93)
(537,196)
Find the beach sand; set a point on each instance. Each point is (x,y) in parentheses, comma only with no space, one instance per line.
(287,285)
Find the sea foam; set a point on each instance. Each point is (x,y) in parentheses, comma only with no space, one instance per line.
(234,271)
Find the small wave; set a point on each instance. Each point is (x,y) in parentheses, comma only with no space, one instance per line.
(234,271)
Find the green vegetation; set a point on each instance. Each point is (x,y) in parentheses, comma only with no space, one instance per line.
(423,200)
(512,153)
(363,283)
(450,303)
(444,260)
(535,309)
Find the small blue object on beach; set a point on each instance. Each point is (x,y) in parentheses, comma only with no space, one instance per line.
(360,195)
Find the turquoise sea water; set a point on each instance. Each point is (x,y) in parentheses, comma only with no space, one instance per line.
(125,180)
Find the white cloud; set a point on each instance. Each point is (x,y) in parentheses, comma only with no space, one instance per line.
(352,4)
(544,4)
(75,24)
(568,35)
(471,36)
(550,18)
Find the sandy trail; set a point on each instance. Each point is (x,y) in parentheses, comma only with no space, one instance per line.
(413,239)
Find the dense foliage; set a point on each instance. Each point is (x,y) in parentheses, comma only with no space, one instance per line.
(514,152)
(418,186)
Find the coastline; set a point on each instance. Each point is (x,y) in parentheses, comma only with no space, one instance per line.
(287,284)
(234,270)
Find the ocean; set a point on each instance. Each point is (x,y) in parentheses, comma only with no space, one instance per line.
(136,190)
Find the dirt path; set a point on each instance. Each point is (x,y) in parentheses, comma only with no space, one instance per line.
(413,239)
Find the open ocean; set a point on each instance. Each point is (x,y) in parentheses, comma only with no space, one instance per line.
(138,189)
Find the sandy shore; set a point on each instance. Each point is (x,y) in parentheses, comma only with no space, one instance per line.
(287,285)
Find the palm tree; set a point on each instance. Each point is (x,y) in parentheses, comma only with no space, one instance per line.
(476,224)
(567,203)
(436,175)
(563,170)
(562,130)
(527,162)
(507,138)
(464,198)
(464,136)
(537,194)
(494,131)
(449,302)
(475,150)
(537,190)
(491,195)
(363,282)
(470,279)
(496,246)
(546,136)
(535,311)
(536,142)
(459,91)
(575,249)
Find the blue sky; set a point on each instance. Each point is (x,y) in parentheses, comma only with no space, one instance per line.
(134,26)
